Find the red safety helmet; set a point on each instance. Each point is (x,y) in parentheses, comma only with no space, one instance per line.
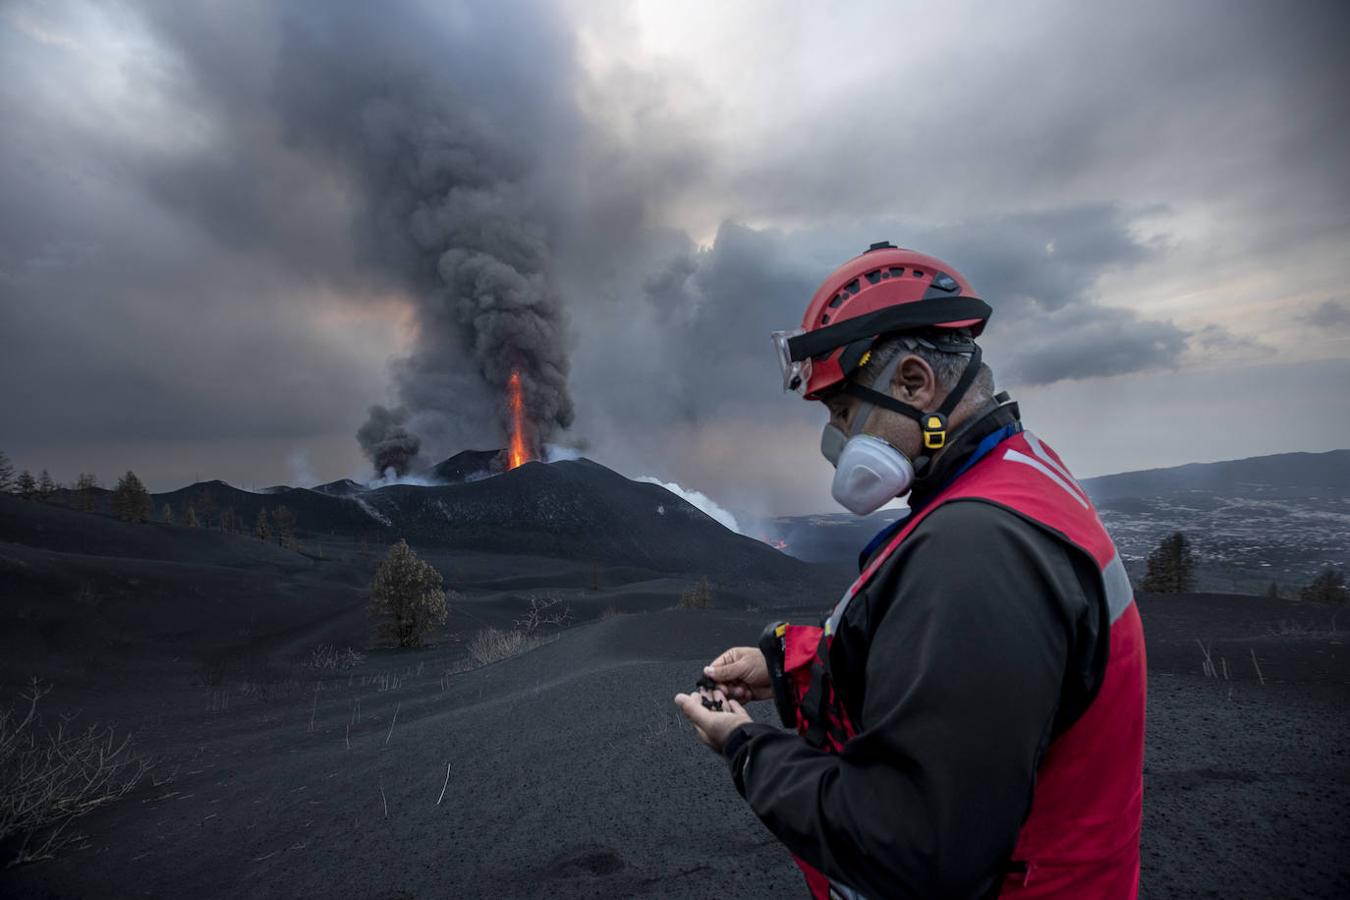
(884,290)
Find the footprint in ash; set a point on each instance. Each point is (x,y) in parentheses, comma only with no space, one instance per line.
(585,859)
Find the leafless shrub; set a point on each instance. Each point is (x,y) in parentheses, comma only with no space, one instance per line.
(1208,667)
(611,611)
(86,595)
(492,644)
(699,596)
(385,681)
(49,778)
(544,611)
(327,658)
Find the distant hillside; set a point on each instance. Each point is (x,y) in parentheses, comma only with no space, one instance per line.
(1280,475)
(1253,521)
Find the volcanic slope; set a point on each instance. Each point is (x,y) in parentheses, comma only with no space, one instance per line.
(566,772)
(572,509)
(86,594)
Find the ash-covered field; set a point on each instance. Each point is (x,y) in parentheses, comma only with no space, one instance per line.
(565,771)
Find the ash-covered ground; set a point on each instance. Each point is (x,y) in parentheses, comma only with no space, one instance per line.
(570,772)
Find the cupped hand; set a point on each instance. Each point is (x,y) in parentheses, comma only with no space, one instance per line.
(713,727)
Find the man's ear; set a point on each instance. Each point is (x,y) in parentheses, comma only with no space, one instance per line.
(914,382)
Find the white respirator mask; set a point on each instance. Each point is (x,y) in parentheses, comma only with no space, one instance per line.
(869,471)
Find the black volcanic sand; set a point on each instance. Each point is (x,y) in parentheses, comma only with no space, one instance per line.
(571,773)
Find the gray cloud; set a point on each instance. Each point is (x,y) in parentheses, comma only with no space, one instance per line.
(218,251)
(711,311)
(1329,314)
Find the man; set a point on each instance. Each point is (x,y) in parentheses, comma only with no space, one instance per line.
(969,717)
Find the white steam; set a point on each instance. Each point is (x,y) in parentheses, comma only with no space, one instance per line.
(698,500)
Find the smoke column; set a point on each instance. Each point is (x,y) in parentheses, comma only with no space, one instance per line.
(386,443)
(446,209)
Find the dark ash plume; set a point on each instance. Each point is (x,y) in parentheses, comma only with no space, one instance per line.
(447,207)
(386,443)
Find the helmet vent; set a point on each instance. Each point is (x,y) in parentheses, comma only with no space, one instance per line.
(897,271)
(852,287)
(836,300)
(917,273)
(874,277)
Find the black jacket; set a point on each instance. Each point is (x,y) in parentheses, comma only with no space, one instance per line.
(978,641)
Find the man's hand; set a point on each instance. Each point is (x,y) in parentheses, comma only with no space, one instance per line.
(713,727)
(742,674)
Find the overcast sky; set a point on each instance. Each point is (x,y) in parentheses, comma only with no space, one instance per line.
(229,229)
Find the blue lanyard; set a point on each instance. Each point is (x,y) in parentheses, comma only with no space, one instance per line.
(991,440)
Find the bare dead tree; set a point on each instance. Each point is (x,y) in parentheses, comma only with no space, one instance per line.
(544,611)
(51,777)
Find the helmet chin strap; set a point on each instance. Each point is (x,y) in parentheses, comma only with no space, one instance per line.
(932,425)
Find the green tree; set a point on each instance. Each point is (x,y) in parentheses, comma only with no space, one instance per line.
(700,596)
(166,514)
(261,529)
(407,597)
(26,485)
(130,499)
(46,485)
(284,522)
(6,474)
(85,487)
(190,515)
(1327,587)
(206,507)
(1171,566)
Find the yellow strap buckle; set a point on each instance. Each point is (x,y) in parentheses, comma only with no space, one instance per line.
(934,431)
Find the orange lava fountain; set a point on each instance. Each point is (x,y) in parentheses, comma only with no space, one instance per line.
(517,451)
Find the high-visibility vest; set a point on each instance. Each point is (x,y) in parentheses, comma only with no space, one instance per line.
(1081,836)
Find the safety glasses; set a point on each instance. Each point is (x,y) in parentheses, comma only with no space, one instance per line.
(796,373)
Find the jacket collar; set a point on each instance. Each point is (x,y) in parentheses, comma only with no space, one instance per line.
(975,438)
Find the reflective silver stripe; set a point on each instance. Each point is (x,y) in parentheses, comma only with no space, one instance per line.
(840,892)
(1020,457)
(1119,594)
(1039,449)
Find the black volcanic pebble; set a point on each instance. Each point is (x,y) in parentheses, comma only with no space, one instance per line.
(705,682)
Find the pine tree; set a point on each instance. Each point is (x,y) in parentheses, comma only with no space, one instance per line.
(206,507)
(85,486)
(284,521)
(166,514)
(46,485)
(190,516)
(261,529)
(1327,587)
(407,597)
(130,499)
(1171,566)
(226,517)
(6,474)
(26,485)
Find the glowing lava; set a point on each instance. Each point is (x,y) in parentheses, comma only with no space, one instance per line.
(517,451)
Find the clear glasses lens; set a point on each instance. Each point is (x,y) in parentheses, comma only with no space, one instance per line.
(795,373)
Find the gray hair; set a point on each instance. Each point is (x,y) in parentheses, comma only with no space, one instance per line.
(946,351)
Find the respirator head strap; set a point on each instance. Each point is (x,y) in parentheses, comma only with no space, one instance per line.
(933,425)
